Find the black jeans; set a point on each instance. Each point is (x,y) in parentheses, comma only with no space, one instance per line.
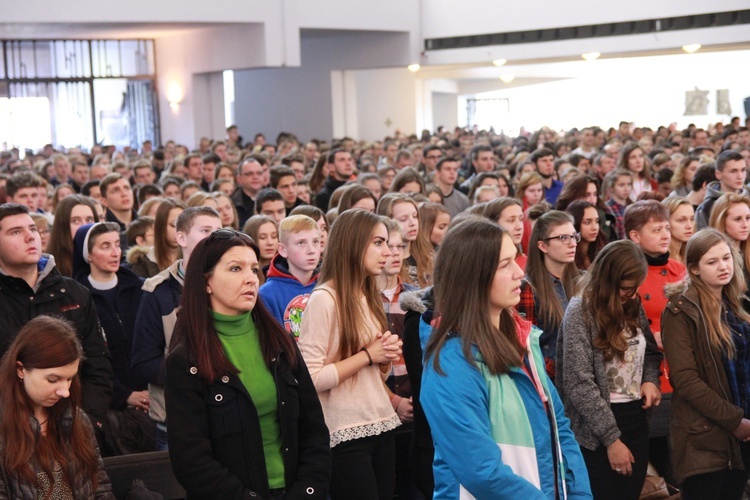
(364,468)
(607,484)
(726,484)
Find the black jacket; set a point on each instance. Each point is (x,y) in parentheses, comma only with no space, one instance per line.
(324,195)
(244,204)
(62,297)
(118,320)
(215,443)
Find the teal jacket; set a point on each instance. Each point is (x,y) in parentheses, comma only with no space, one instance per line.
(499,436)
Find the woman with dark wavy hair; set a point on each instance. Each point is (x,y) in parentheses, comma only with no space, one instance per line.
(47,445)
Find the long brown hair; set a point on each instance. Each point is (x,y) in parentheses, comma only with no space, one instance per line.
(718,220)
(463,305)
(161,245)
(45,342)
(615,322)
(195,327)
(343,270)
(540,278)
(421,248)
(719,334)
(60,243)
(625,152)
(577,210)
(428,214)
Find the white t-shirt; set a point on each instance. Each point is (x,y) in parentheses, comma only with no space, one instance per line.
(624,376)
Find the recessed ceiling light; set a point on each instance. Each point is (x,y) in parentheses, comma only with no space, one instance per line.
(507,78)
(591,56)
(693,47)
(414,67)
(499,62)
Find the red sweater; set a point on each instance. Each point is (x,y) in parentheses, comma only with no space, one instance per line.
(654,300)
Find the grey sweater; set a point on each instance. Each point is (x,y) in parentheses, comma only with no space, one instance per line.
(582,379)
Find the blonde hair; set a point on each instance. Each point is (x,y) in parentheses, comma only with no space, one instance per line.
(295,224)
(421,248)
(673,203)
(718,220)
(528,179)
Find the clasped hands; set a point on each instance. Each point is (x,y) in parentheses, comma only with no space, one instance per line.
(385,348)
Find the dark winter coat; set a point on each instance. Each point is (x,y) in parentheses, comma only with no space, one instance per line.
(703,415)
(215,441)
(56,295)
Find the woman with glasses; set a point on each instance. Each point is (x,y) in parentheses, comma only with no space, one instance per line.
(705,332)
(550,279)
(608,371)
(244,416)
(348,349)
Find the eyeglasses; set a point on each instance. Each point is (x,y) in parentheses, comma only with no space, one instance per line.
(225,234)
(565,239)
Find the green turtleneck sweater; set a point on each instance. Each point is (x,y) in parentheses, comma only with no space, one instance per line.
(239,336)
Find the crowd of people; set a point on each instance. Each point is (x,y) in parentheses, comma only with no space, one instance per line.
(457,315)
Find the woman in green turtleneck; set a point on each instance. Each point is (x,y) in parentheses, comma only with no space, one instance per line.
(244,416)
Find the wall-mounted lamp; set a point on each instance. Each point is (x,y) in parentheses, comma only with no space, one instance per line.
(499,62)
(414,67)
(174,95)
(693,47)
(507,77)
(591,56)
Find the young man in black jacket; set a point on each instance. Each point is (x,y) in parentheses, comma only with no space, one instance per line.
(31,285)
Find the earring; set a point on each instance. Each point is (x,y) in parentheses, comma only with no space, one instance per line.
(209,291)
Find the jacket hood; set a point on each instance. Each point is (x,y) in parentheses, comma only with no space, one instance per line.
(139,252)
(418,301)
(714,192)
(279,268)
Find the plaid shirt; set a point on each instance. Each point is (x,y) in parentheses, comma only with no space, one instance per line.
(527,309)
(619,212)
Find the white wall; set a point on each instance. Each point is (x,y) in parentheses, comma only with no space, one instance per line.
(648,91)
(444,110)
(386,102)
(307,99)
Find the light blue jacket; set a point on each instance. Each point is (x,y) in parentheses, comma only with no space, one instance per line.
(471,456)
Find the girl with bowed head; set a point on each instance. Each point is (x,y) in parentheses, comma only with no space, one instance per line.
(47,445)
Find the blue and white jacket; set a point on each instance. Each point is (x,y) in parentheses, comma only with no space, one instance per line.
(499,436)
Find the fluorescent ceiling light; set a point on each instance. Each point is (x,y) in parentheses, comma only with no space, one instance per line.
(693,47)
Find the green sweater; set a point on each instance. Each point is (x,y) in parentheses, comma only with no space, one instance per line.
(239,337)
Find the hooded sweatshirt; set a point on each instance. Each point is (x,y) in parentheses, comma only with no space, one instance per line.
(285,296)
(713,193)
